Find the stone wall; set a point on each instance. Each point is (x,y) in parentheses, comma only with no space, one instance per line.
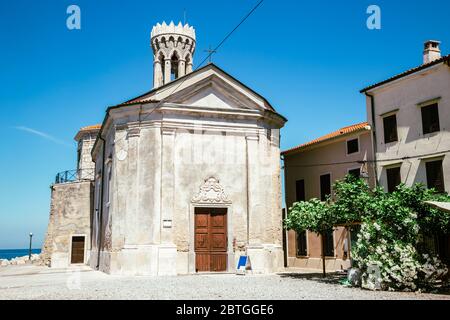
(85,164)
(70,215)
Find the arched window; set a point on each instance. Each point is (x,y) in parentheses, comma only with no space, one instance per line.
(175,59)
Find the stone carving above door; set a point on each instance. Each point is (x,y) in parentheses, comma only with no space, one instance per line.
(211,192)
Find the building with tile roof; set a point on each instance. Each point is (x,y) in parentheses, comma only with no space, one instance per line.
(310,171)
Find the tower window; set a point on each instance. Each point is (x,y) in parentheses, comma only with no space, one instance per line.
(174,67)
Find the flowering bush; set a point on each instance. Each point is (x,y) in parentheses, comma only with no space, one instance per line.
(398,267)
(388,250)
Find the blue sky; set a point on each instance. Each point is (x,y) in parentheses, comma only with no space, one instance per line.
(308,58)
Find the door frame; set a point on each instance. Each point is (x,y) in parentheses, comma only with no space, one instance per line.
(230,251)
(85,248)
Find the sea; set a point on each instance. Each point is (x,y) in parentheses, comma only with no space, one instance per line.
(9,254)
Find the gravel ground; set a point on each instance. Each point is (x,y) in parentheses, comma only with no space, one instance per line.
(33,282)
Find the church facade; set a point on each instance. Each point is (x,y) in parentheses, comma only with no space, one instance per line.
(186,176)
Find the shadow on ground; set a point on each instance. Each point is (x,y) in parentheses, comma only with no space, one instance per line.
(331,278)
(339,278)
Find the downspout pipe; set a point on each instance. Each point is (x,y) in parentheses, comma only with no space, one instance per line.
(102,177)
(374,136)
(284,215)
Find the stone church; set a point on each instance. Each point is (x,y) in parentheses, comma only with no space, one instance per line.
(182,179)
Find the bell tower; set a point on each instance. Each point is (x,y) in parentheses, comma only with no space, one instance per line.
(173,50)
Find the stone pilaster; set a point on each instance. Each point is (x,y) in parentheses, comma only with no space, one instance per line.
(132,192)
(167,185)
(181,68)
(167,255)
(254,201)
(167,70)
(189,67)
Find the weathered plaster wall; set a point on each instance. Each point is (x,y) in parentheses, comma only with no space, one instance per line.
(156,171)
(70,215)
(313,260)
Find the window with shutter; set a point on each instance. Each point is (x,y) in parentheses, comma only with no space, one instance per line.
(355,172)
(352,146)
(300,190)
(390,129)
(430,119)
(393,178)
(435,175)
(301,244)
(325,186)
(329,243)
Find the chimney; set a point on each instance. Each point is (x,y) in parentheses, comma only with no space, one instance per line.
(431,51)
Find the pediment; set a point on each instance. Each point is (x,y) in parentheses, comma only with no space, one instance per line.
(207,87)
(212,92)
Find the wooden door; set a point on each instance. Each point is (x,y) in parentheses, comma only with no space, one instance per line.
(77,250)
(210,239)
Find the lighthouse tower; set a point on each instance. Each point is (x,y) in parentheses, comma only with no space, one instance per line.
(173,48)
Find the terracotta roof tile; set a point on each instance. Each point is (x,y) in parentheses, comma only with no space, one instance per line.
(341,132)
(91,128)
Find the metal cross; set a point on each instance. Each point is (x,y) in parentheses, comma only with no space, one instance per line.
(211,52)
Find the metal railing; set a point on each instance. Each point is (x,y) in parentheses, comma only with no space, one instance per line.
(75,175)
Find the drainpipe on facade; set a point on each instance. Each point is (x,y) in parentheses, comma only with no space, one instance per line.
(284,215)
(102,177)
(248,196)
(374,137)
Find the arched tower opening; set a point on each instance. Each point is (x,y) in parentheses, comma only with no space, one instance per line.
(175,61)
(173,48)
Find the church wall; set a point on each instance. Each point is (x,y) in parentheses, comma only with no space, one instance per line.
(177,161)
(224,156)
(93,261)
(131,224)
(101,224)
(135,201)
(199,156)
